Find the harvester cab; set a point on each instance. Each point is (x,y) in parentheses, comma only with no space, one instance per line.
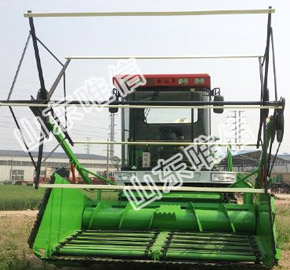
(153,124)
(166,206)
(168,118)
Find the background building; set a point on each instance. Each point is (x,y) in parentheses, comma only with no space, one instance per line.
(246,161)
(17,166)
(249,160)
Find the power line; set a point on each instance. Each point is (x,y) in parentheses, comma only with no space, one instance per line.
(19,80)
(81,125)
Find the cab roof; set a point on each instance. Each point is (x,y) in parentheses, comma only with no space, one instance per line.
(165,80)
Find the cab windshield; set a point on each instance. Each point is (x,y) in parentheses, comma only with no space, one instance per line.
(161,124)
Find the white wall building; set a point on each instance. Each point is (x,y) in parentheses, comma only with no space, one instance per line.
(17,165)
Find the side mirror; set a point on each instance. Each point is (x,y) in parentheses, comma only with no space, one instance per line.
(218,110)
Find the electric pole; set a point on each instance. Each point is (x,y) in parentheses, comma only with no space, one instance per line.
(237,121)
(107,171)
(112,134)
(88,146)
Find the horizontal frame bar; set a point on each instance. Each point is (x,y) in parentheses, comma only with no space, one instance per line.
(29,14)
(41,105)
(191,103)
(121,187)
(164,57)
(139,105)
(165,143)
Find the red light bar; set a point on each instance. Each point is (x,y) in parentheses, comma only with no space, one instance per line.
(175,80)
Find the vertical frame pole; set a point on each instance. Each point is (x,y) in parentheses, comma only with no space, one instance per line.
(42,95)
(37,58)
(265,89)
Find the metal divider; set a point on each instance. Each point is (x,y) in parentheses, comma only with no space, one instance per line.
(107,243)
(160,246)
(212,246)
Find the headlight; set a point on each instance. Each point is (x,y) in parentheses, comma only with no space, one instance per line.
(223,177)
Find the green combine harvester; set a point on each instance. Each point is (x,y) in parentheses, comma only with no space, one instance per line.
(200,222)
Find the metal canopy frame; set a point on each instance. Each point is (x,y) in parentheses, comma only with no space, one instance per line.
(161,57)
(29,14)
(44,96)
(277,105)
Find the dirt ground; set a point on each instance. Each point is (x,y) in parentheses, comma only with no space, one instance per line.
(282,199)
(21,214)
(15,227)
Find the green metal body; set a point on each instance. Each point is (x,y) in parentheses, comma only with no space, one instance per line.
(53,127)
(74,224)
(78,225)
(189,216)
